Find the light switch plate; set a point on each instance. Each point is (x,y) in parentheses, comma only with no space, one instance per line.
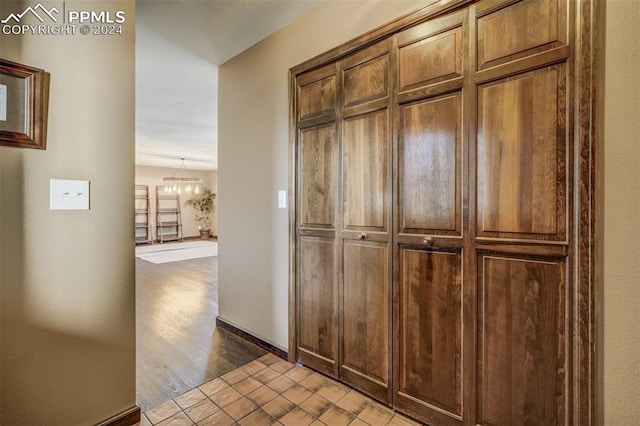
(69,194)
(282,199)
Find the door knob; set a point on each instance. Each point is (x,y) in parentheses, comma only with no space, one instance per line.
(427,241)
(362,236)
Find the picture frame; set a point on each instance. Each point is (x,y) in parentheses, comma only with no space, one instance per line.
(23,105)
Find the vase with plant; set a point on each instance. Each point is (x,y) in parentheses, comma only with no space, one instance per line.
(203,204)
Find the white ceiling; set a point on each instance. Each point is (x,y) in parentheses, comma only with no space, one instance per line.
(179,45)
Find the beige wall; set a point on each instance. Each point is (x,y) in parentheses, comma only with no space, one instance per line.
(67,345)
(152,176)
(621,211)
(253,141)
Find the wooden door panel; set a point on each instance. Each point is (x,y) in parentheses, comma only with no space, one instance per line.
(317,304)
(365,161)
(522,28)
(366,81)
(430,167)
(318,97)
(430,335)
(318,176)
(366,316)
(429,60)
(522,336)
(521,156)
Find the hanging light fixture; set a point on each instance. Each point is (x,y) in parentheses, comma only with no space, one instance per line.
(182,180)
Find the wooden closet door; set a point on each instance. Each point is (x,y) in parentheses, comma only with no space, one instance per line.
(445,213)
(317,212)
(429,242)
(365,309)
(523,136)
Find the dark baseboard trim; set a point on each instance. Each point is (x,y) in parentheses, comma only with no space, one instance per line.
(220,322)
(127,418)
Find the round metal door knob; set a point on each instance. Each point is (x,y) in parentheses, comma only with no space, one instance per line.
(427,241)
(362,236)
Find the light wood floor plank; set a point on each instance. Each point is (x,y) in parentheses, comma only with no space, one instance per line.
(178,345)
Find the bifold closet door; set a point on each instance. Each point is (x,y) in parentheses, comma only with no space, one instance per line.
(317,229)
(365,309)
(444,213)
(430,218)
(523,137)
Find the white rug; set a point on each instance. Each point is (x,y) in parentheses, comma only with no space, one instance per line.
(176,252)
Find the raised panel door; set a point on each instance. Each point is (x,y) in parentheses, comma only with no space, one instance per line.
(429,362)
(365,162)
(430,165)
(522,341)
(522,146)
(365,288)
(508,30)
(317,93)
(317,304)
(318,176)
(365,317)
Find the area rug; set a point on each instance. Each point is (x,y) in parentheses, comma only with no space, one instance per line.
(176,252)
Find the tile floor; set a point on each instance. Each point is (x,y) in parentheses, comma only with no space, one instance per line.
(270,391)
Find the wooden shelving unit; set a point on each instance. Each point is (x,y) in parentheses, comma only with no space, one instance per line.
(143,232)
(168,216)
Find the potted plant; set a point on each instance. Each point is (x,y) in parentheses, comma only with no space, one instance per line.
(203,203)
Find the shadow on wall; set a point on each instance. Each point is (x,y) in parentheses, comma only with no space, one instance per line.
(36,364)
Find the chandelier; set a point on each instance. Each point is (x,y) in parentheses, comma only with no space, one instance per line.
(182,181)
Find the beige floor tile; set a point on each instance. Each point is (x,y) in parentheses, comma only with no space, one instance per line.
(375,413)
(179,419)
(298,374)
(253,367)
(297,417)
(336,416)
(234,376)
(144,421)
(269,359)
(213,386)
(332,391)
(353,402)
(257,418)
(218,419)
(270,391)
(247,385)
(262,395)
(399,420)
(201,410)
(240,408)
(190,398)
(226,397)
(278,407)
(314,381)
(316,405)
(280,384)
(297,394)
(266,375)
(162,412)
(281,366)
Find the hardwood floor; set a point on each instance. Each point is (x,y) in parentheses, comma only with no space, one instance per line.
(178,345)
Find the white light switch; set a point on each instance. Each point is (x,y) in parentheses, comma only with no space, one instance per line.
(69,194)
(282,199)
